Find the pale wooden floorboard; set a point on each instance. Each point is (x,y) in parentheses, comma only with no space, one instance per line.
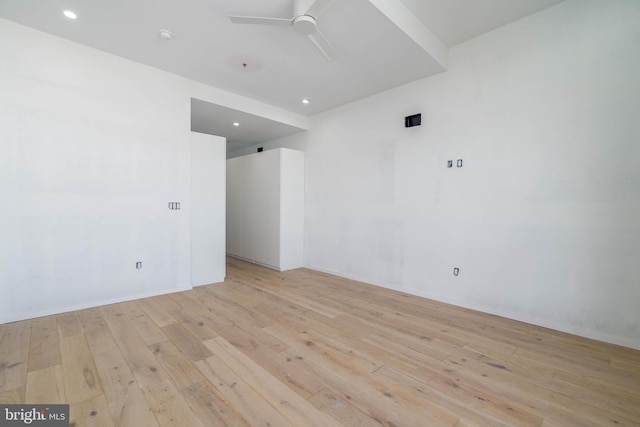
(304,348)
(14,355)
(44,351)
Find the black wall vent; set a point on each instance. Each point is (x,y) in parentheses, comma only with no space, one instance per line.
(411,121)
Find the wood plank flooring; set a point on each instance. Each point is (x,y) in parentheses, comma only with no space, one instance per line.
(303,348)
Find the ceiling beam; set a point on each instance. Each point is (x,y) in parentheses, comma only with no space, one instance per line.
(408,23)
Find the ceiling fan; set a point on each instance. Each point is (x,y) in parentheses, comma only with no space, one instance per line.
(305,14)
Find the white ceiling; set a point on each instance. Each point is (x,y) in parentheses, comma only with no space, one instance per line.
(380,44)
(455,21)
(219,120)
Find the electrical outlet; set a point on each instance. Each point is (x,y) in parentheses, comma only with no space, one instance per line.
(456,271)
(449,163)
(459,163)
(138,265)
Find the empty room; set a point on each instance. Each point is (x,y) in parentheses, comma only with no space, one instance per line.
(320,213)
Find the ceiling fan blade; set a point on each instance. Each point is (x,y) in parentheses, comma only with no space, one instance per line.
(259,20)
(323,45)
(317,7)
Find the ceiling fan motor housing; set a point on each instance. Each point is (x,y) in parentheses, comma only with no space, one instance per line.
(304,24)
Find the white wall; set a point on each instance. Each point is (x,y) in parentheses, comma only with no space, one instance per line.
(253,199)
(208,208)
(265,208)
(92,149)
(291,209)
(542,219)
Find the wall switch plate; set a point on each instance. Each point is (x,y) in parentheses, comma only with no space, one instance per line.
(138,265)
(456,271)
(449,163)
(459,163)
(174,206)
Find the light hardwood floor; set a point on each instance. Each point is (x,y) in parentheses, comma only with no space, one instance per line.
(303,348)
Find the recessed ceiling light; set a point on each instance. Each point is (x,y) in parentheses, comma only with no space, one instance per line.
(165,34)
(236,124)
(305,101)
(69,14)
